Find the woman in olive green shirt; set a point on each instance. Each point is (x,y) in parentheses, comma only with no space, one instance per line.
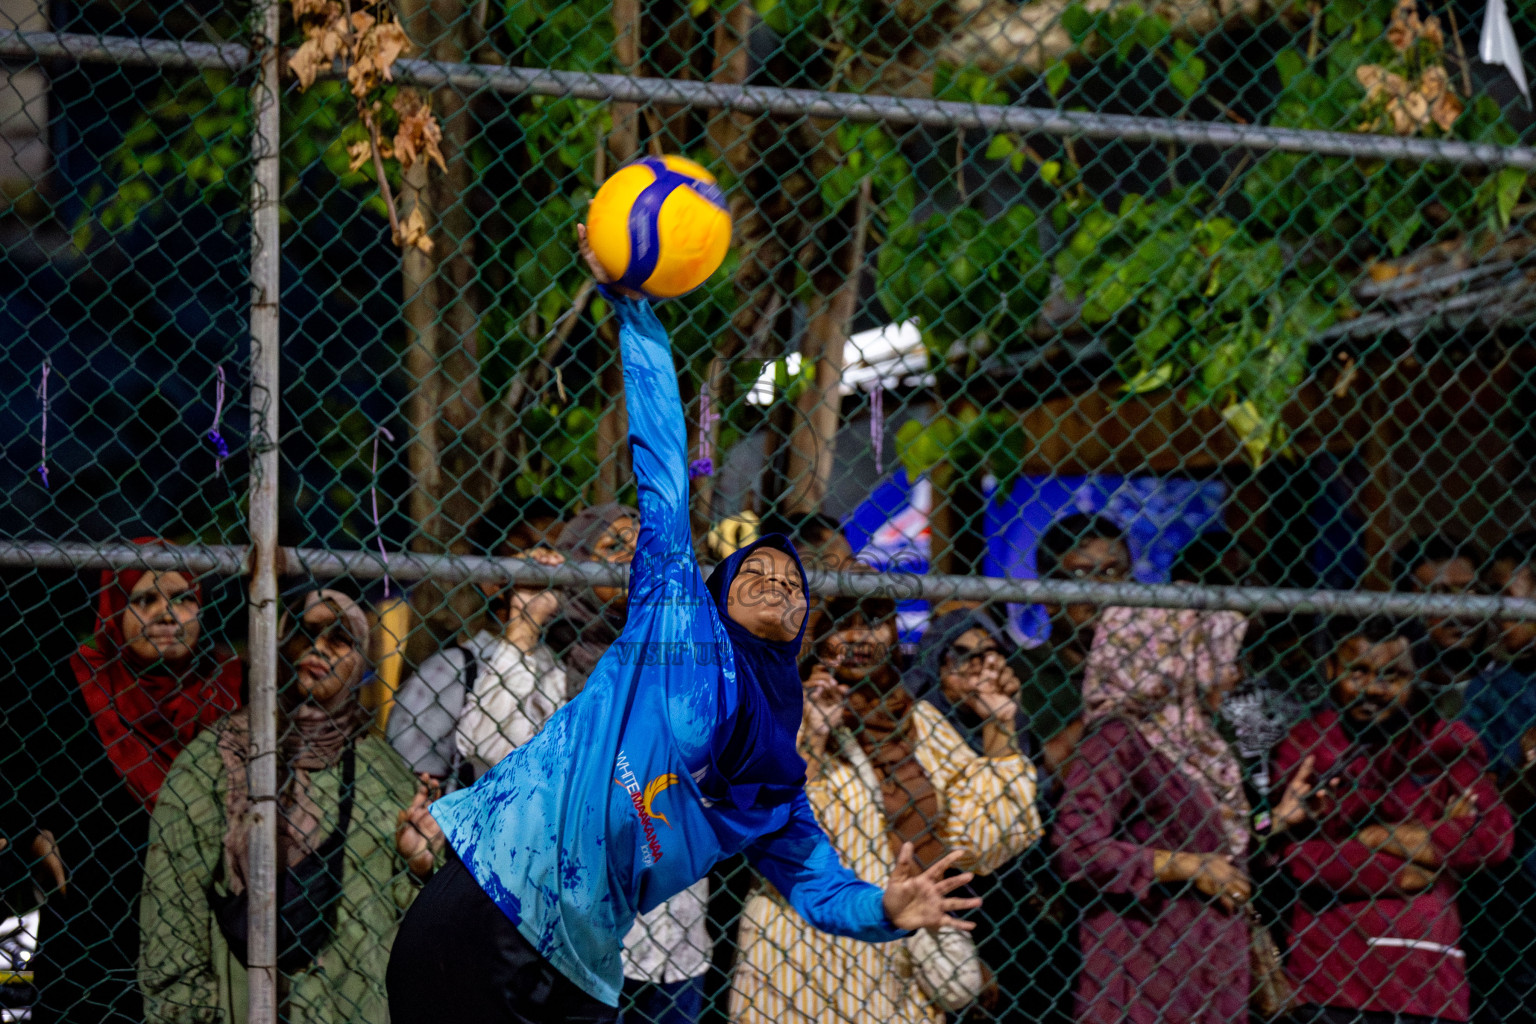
(198,860)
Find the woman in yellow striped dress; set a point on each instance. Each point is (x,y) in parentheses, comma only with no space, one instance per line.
(882,770)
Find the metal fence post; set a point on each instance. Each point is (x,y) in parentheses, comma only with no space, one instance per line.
(265,405)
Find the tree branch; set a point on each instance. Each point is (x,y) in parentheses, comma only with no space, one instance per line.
(378,172)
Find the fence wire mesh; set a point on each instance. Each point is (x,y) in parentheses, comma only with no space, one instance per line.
(1214,318)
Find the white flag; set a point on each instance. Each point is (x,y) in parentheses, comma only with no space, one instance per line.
(1498,46)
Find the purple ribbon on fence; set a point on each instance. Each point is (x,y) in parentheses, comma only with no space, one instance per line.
(704,465)
(42,397)
(373,496)
(877,424)
(220,446)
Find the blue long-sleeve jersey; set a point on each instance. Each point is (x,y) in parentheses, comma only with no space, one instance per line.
(600,816)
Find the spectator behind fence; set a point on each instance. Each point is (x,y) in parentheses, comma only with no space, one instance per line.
(1451,650)
(144,687)
(1154,824)
(1499,904)
(1405,811)
(351,821)
(1075,547)
(883,770)
(590,619)
(1019,928)
(469,705)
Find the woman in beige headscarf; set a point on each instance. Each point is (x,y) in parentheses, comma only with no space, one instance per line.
(349,807)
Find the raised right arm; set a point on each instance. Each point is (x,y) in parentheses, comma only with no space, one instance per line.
(657,441)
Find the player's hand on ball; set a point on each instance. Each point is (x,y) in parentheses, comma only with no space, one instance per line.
(598,273)
(920,899)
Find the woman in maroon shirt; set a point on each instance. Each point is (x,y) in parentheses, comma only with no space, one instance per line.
(1155,823)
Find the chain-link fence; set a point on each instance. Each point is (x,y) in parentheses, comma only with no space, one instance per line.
(1168,365)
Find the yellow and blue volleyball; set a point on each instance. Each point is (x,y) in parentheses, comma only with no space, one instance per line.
(660,226)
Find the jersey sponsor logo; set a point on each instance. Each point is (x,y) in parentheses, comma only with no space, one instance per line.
(644,799)
(652,791)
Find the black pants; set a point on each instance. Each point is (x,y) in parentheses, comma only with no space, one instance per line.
(457,958)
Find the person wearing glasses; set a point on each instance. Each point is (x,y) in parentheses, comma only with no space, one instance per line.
(963,671)
(354,835)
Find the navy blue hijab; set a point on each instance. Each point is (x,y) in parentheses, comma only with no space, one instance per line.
(756,761)
(925,681)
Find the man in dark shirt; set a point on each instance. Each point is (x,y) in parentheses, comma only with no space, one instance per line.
(1453,650)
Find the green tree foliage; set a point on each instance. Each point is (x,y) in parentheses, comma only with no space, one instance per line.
(1215,289)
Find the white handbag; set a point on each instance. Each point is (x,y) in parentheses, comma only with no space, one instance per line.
(944,961)
(947,967)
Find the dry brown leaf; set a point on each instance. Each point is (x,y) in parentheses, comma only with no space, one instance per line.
(379,44)
(408,101)
(307,62)
(358,153)
(1373,77)
(414,231)
(1410,113)
(419,135)
(315,10)
(1407,28)
(361,80)
(1432,32)
(391,42)
(1446,109)
(1410,107)
(332,43)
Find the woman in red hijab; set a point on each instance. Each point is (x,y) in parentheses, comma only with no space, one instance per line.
(147,687)
(92,746)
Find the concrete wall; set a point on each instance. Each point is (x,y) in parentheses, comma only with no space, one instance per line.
(24,157)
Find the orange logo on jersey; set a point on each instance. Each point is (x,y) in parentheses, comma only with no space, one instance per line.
(652,791)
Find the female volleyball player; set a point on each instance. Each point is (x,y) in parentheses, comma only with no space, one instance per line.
(680,752)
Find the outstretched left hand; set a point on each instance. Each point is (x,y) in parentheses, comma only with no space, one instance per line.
(920,899)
